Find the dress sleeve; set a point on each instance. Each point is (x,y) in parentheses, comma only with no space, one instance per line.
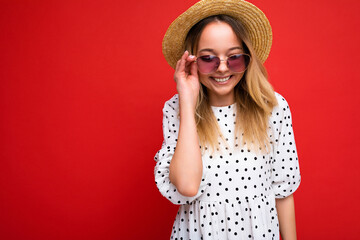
(164,155)
(285,172)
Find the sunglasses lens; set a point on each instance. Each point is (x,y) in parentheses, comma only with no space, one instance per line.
(238,62)
(208,64)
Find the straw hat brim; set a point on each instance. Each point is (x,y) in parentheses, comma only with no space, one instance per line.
(252,18)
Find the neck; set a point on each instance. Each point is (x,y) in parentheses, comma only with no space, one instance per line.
(222,100)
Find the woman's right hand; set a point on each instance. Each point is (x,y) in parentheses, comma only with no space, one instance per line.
(187,79)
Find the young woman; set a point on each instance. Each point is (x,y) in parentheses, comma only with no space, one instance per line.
(228,157)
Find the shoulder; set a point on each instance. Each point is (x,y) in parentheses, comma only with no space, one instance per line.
(171,110)
(282,106)
(281,112)
(171,120)
(281,100)
(172,105)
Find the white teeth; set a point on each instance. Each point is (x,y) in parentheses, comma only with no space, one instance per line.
(222,79)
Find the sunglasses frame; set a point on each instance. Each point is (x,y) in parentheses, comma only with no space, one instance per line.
(227,62)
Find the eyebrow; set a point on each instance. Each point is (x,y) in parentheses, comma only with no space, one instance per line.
(212,50)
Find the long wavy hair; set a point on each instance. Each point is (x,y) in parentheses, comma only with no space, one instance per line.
(254,96)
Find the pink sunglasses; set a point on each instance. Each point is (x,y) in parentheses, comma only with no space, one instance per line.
(236,63)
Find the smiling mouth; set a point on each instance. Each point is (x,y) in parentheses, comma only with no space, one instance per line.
(221,79)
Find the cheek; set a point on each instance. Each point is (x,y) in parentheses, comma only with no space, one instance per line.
(239,76)
(203,79)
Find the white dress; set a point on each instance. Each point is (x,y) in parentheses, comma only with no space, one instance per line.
(236,197)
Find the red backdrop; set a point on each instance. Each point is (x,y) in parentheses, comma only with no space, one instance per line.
(82,86)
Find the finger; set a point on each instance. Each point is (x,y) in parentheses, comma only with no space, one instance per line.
(190,59)
(180,66)
(176,73)
(194,70)
(177,65)
(182,61)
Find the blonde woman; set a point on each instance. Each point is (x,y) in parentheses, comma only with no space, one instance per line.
(228,157)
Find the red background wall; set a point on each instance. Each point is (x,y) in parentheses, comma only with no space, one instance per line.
(82,86)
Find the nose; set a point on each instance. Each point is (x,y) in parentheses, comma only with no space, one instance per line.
(223,66)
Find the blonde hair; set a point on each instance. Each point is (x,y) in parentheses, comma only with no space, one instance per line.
(254,96)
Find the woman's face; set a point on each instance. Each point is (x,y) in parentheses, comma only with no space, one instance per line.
(219,39)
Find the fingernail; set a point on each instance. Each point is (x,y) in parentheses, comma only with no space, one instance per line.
(191,56)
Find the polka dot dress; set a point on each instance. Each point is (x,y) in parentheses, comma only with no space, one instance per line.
(236,197)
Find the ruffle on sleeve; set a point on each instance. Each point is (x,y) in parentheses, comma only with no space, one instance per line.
(285,174)
(164,155)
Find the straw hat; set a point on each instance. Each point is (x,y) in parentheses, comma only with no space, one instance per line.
(253,19)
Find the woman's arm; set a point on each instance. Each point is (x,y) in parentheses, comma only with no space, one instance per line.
(185,170)
(286,215)
(186,164)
